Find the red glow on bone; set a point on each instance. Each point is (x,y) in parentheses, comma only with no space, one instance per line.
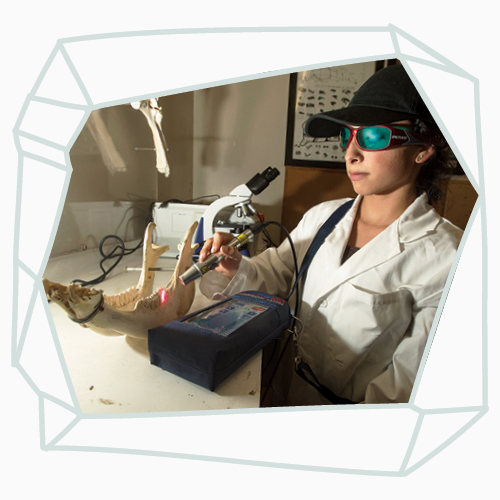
(163,296)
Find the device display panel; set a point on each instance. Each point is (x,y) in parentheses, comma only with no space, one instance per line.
(225,318)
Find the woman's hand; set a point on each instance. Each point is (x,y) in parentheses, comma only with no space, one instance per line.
(218,243)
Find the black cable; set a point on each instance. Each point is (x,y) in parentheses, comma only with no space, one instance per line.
(275,368)
(150,217)
(123,252)
(292,247)
(269,240)
(201,198)
(296,311)
(164,204)
(121,245)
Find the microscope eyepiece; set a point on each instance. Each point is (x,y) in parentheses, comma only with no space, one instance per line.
(259,182)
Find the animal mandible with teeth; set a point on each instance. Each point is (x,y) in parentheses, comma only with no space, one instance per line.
(136,310)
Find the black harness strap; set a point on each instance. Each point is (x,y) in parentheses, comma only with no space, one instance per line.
(320,237)
(302,368)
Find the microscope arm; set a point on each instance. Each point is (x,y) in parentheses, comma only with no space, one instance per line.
(238,197)
(240,194)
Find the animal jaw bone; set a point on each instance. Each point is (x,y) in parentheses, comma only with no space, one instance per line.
(128,299)
(136,310)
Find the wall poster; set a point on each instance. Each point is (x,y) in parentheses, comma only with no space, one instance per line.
(317,91)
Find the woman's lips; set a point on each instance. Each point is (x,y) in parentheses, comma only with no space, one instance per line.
(357,176)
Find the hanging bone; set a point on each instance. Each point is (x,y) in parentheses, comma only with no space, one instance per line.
(152,111)
(136,310)
(110,156)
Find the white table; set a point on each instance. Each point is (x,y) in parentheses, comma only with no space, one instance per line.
(113,374)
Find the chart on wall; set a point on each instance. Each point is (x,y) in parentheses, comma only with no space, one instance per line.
(318,91)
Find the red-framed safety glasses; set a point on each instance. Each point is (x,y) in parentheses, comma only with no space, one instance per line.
(380,137)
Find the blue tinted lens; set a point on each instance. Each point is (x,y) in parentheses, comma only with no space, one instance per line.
(374,138)
(345,133)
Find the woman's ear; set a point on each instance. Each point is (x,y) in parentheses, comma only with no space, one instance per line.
(425,154)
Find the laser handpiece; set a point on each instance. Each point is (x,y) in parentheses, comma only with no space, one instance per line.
(200,268)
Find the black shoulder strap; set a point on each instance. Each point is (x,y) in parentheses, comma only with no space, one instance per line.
(320,237)
(304,371)
(302,368)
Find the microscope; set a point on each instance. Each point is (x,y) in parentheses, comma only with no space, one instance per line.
(233,214)
(237,203)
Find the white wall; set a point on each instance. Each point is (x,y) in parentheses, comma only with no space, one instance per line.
(218,138)
(240,130)
(101,200)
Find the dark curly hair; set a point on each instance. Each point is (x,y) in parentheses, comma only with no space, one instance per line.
(435,170)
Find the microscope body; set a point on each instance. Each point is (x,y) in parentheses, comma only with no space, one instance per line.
(242,214)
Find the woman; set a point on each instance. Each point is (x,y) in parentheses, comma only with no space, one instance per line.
(372,290)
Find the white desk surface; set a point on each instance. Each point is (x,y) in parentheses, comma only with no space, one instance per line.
(113,374)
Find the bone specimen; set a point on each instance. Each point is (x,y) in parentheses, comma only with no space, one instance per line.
(152,112)
(136,310)
(112,159)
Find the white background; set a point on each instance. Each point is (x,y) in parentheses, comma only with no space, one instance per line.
(466,469)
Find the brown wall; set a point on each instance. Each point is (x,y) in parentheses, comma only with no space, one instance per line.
(307,186)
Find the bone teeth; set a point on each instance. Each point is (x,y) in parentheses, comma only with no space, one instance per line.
(141,311)
(151,302)
(122,299)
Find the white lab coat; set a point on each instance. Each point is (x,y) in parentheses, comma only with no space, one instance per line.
(366,322)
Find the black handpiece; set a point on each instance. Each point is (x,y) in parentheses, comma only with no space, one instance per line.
(199,269)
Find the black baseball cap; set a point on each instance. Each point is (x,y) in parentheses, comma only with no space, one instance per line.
(387,96)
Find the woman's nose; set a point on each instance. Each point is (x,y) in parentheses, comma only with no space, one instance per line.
(352,152)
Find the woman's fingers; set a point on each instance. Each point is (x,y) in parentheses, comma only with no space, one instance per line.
(206,249)
(231,253)
(213,244)
(218,243)
(231,263)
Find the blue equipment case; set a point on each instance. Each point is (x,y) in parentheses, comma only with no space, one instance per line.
(206,346)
